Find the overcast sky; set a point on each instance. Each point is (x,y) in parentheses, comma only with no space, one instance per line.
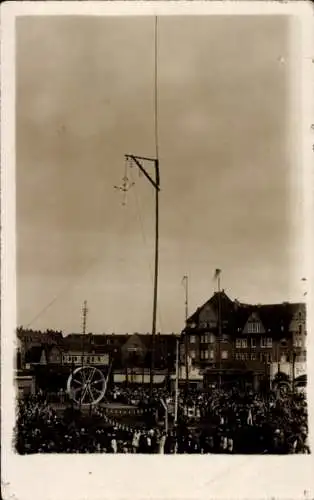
(85,97)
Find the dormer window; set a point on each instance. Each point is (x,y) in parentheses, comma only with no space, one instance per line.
(254,327)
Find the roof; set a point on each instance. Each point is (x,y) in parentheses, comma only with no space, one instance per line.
(226,304)
(274,317)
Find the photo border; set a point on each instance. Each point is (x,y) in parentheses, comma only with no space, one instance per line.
(154,477)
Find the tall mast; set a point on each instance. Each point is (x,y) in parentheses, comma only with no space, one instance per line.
(140,161)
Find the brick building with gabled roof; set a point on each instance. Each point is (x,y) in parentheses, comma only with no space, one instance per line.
(256,339)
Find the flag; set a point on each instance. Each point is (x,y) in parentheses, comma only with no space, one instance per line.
(217,273)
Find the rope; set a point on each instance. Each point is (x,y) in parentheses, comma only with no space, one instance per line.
(62,291)
(72,282)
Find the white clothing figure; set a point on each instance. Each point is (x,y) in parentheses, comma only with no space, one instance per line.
(136,440)
(162,443)
(230,445)
(114,445)
(224,443)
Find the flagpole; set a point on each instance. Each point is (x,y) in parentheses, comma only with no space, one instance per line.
(218,272)
(185,279)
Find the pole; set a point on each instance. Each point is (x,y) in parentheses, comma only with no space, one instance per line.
(177,384)
(83,338)
(219,334)
(165,405)
(156,184)
(293,371)
(186,336)
(155,279)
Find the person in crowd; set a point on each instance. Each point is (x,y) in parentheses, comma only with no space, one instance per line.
(224,421)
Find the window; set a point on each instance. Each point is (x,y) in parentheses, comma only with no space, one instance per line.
(253,342)
(99,358)
(254,327)
(204,339)
(193,354)
(224,354)
(241,343)
(300,329)
(212,338)
(253,357)
(297,341)
(266,342)
(192,339)
(211,354)
(224,337)
(301,358)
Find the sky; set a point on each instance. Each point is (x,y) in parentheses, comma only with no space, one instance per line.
(85,98)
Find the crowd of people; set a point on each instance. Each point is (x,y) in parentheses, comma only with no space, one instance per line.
(215,421)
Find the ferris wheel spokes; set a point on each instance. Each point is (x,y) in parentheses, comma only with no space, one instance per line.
(86,385)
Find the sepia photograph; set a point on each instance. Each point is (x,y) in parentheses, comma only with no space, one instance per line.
(161,286)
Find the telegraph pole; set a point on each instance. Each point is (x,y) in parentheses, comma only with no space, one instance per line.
(139,161)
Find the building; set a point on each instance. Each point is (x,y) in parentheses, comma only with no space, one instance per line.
(252,343)
(128,355)
(30,342)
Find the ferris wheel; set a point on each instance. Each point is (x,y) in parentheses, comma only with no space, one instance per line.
(87,385)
